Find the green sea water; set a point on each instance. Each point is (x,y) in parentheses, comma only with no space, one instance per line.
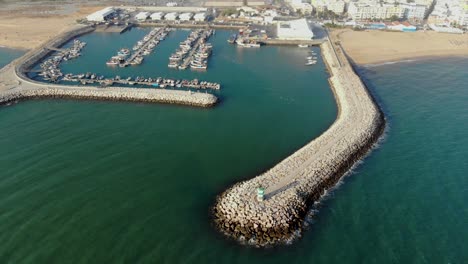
(103,182)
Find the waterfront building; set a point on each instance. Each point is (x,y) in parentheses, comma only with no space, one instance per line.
(247,10)
(401,26)
(414,11)
(337,7)
(450,12)
(364,11)
(157,16)
(294,30)
(142,16)
(186,16)
(101,15)
(171,16)
(232,3)
(199,16)
(319,5)
(299,6)
(445,29)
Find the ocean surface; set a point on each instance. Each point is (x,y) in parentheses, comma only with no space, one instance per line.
(104,182)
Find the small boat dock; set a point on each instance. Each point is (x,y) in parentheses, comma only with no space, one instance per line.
(144,47)
(193,52)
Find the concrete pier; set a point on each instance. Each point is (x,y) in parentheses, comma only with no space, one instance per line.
(16,85)
(293,185)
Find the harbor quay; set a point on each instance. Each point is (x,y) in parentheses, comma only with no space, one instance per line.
(270,209)
(16,85)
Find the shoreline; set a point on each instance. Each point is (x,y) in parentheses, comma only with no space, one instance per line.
(297,182)
(378,47)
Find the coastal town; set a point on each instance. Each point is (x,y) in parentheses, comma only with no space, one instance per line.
(200,74)
(441,16)
(39,74)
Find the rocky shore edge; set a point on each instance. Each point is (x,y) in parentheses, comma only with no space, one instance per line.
(292,186)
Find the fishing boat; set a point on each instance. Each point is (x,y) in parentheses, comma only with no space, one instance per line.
(198,66)
(123,52)
(112,62)
(232,39)
(138,60)
(311,62)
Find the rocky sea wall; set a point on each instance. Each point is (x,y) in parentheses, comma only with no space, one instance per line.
(111,94)
(293,185)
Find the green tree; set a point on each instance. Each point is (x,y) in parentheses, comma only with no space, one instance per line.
(394,18)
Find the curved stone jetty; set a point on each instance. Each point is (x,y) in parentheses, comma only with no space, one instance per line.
(294,184)
(111,94)
(16,85)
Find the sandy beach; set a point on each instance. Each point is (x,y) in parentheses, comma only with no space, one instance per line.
(371,47)
(26,27)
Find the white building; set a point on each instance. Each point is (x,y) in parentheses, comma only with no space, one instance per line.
(171,16)
(363,11)
(142,16)
(270,13)
(397,26)
(294,30)
(186,16)
(157,16)
(199,16)
(298,5)
(320,5)
(337,7)
(414,11)
(445,29)
(248,11)
(101,15)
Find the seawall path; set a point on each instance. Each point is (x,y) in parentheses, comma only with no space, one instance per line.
(294,184)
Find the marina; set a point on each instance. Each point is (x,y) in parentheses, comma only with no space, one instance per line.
(50,70)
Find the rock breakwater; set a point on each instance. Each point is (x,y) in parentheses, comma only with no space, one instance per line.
(295,183)
(111,94)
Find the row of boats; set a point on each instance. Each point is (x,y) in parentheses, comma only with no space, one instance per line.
(193,52)
(243,42)
(142,48)
(50,68)
(311,58)
(92,78)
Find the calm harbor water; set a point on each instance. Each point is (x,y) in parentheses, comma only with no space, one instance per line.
(103,182)
(7,55)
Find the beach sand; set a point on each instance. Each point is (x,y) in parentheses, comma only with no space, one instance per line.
(373,46)
(26,27)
